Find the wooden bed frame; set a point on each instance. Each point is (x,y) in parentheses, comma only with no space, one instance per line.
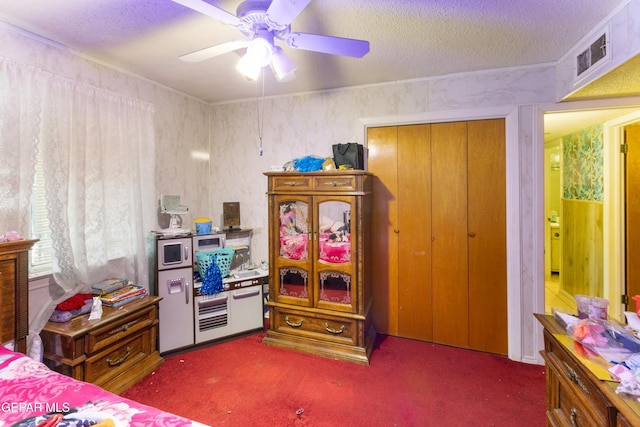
(14,293)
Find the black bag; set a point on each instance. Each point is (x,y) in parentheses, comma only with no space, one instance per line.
(349,155)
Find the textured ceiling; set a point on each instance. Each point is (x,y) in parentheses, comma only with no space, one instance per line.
(409,38)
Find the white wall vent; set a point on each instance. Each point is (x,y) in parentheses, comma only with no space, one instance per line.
(596,52)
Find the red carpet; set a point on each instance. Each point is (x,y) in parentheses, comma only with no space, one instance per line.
(408,383)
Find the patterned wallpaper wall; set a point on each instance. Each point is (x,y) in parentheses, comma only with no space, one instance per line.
(583,162)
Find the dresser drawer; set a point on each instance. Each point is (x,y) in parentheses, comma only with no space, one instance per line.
(118,359)
(117,330)
(576,399)
(291,183)
(621,421)
(311,325)
(335,183)
(572,411)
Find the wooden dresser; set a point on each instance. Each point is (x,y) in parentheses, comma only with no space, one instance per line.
(14,292)
(575,394)
(113,352)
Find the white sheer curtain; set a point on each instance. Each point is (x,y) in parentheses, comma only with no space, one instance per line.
(19,129)
(98,150)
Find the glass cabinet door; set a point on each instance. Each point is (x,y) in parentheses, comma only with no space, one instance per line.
(294,229)
(334,254)
(293,263)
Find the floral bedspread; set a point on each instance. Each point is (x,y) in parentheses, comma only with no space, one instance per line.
(31,393)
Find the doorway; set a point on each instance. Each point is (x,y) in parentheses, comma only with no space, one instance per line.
(604,130)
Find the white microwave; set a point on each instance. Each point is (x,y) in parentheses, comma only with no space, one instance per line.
(207,242)
(174,253)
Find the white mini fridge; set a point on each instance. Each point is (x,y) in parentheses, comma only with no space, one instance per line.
(175,286)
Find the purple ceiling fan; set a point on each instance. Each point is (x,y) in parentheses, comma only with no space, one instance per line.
(263,22)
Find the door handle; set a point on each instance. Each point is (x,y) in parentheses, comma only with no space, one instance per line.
(245,294)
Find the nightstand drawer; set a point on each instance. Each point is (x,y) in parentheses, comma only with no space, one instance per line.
(117,359)
(291,183)
(116,331)
(311,325)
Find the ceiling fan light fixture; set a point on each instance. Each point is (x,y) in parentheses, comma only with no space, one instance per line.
(248,68)
(260,51)
(258,55)
(281,65)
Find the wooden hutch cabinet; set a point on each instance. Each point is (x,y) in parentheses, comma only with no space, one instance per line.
(319,286)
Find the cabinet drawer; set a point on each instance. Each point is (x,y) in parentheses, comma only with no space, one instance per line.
(311,325)
(621,421)
(291,183)
(576,397)
(335,183)
(571,410)
(116,331)
(118,358)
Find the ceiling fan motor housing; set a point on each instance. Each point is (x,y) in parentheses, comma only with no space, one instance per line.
(253,14)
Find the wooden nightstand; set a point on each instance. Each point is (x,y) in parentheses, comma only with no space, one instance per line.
(114,352)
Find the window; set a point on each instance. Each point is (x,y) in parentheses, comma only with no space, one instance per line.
(41,254)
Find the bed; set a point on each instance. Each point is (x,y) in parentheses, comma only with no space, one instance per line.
(32,394)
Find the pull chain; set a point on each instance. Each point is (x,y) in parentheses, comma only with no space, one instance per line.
(260,112)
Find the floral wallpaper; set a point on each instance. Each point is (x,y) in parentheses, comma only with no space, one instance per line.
(583,162)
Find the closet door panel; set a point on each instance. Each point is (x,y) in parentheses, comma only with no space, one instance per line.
(449,234)
(414,237)
(487,236)
(382,144)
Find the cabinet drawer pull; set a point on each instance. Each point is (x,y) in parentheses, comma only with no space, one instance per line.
(574,416)
(292,183)
(122,328)
(334,331)
(575,378)
(336,183)
(293,324)
(122,359)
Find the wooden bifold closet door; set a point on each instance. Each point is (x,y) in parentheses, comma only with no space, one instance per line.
(439,230)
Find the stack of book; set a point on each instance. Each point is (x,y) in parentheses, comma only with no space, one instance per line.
(118,292)
(109,285)
(123,296)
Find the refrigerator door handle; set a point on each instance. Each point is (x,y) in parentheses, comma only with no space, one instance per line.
(186,293)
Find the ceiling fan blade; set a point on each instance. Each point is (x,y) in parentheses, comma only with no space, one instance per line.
(210,52)
(328,44)
(282,12)
(210,10)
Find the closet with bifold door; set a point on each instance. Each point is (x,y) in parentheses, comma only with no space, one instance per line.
(439,233)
